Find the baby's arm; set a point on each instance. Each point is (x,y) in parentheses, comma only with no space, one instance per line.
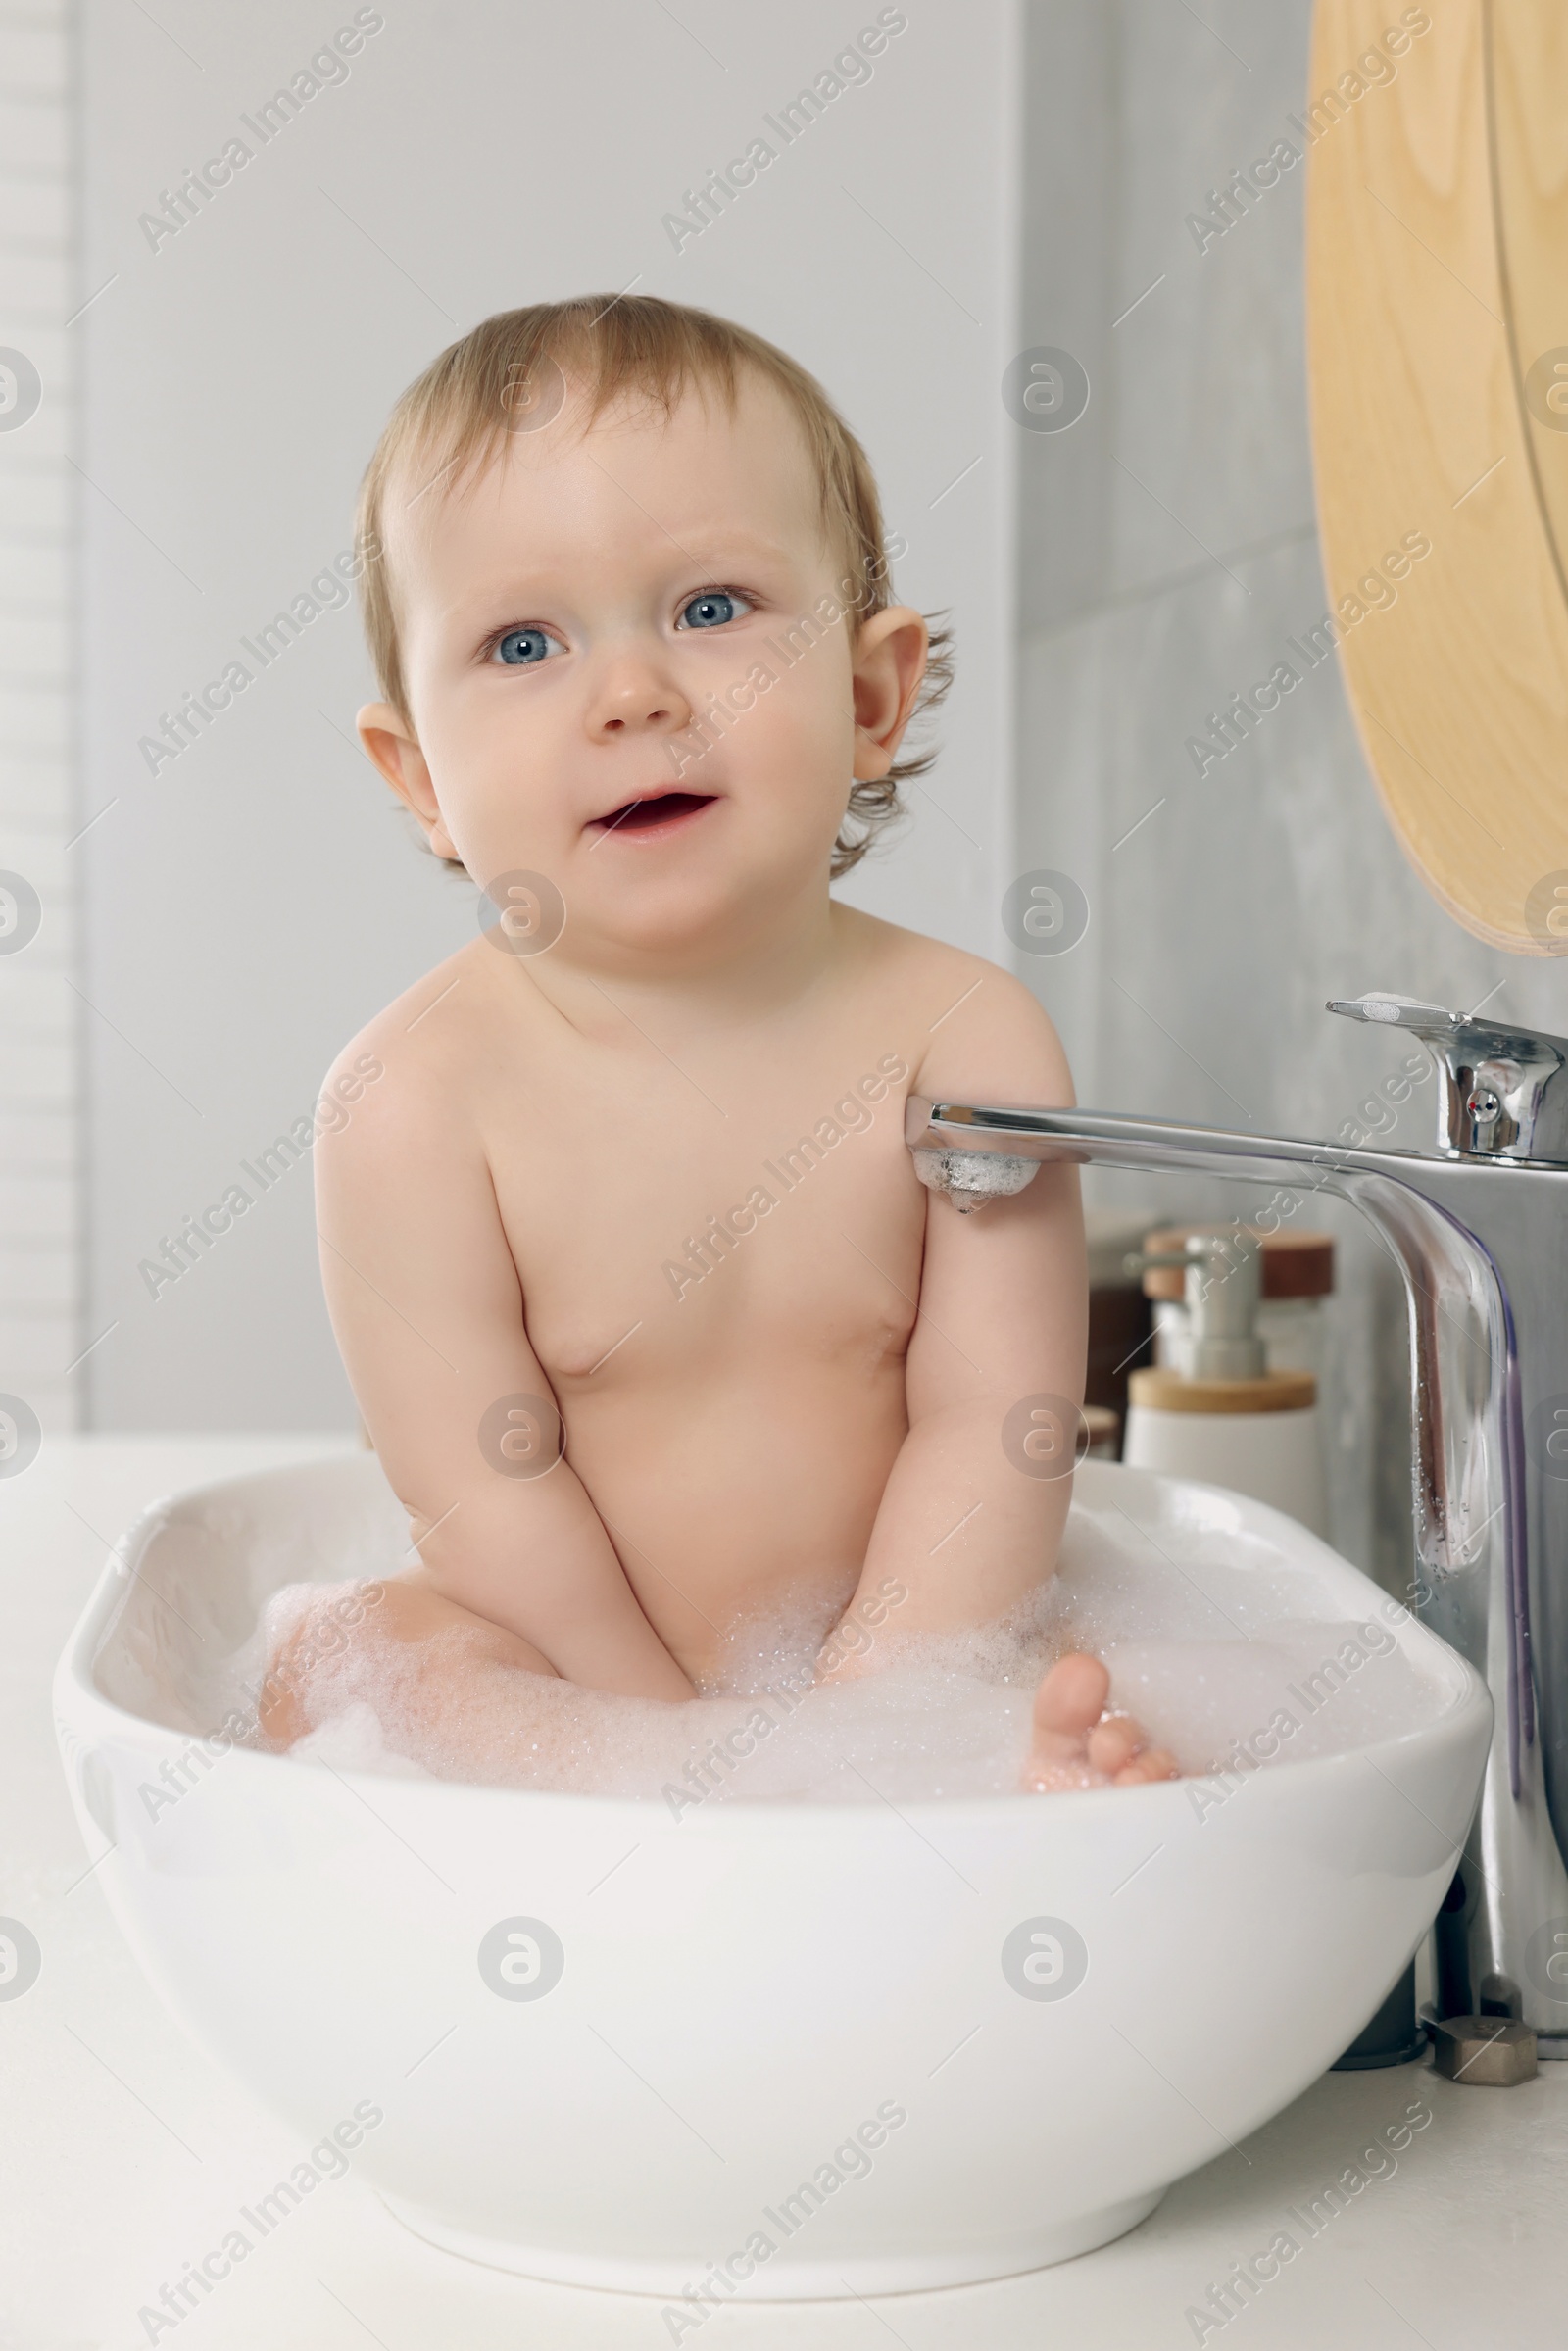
(964,1524)
(428,1312)
(967,1525)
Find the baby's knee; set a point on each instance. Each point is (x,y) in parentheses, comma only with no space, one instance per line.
(326,1626)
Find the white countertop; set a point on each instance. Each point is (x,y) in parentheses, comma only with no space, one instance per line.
(124,2153)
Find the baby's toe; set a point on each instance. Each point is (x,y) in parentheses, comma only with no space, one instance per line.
(1113,1744)
(1076,1743)
(1149,1764)
(1071,1698)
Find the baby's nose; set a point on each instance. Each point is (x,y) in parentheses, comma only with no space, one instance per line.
(645,704)
(653,715)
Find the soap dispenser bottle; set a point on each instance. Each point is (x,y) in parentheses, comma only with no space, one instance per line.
(1225,1417)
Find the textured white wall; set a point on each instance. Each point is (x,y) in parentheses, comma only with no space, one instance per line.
(40,1256)
(255,898)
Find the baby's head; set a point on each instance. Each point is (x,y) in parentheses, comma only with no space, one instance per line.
(631,622)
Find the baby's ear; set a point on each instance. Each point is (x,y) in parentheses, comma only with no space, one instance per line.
(391,743)
(890,658)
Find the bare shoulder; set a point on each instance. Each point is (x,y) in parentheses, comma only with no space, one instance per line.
(977,1032)
(403,1079)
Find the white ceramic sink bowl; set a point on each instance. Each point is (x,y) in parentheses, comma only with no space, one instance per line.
(746,1990)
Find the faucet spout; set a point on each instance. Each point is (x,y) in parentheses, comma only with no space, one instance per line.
(1477,1235)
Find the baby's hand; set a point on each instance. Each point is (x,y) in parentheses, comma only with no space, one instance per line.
(1078,1744)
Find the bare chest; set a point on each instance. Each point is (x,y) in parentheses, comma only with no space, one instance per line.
(724,1222)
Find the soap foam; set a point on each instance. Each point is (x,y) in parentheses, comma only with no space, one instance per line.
(1212,1638)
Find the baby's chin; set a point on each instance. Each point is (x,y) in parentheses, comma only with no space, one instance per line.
(698,911)
(695,875)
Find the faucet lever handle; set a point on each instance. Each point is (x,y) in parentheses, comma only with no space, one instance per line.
(1431,1022)
(1504,1089)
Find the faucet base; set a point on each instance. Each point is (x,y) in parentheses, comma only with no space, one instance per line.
(1489,2052)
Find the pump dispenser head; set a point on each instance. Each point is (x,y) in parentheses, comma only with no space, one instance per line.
(1222,1292)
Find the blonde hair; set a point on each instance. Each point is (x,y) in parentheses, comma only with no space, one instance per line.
(455,418)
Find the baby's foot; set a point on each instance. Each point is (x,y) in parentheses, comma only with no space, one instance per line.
(1077,1743)
(359,1641)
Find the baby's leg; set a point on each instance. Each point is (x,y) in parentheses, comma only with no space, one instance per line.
(1078,1744)
(402,1612)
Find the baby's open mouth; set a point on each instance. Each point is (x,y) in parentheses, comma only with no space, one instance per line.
(657,813)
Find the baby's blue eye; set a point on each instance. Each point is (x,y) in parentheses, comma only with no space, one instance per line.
(713,608)
(522,648)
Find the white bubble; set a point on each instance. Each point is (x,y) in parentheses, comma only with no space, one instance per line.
(1212,1638)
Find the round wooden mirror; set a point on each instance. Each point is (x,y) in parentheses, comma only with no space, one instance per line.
(1438,371)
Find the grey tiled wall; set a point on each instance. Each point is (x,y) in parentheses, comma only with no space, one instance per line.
(1168,548)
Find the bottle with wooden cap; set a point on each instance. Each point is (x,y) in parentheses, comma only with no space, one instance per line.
(1298,1275)
(1219,1411)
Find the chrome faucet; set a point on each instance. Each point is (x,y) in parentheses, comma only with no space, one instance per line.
(1479,1228)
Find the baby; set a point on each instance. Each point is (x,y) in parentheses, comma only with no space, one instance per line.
(650,1320)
